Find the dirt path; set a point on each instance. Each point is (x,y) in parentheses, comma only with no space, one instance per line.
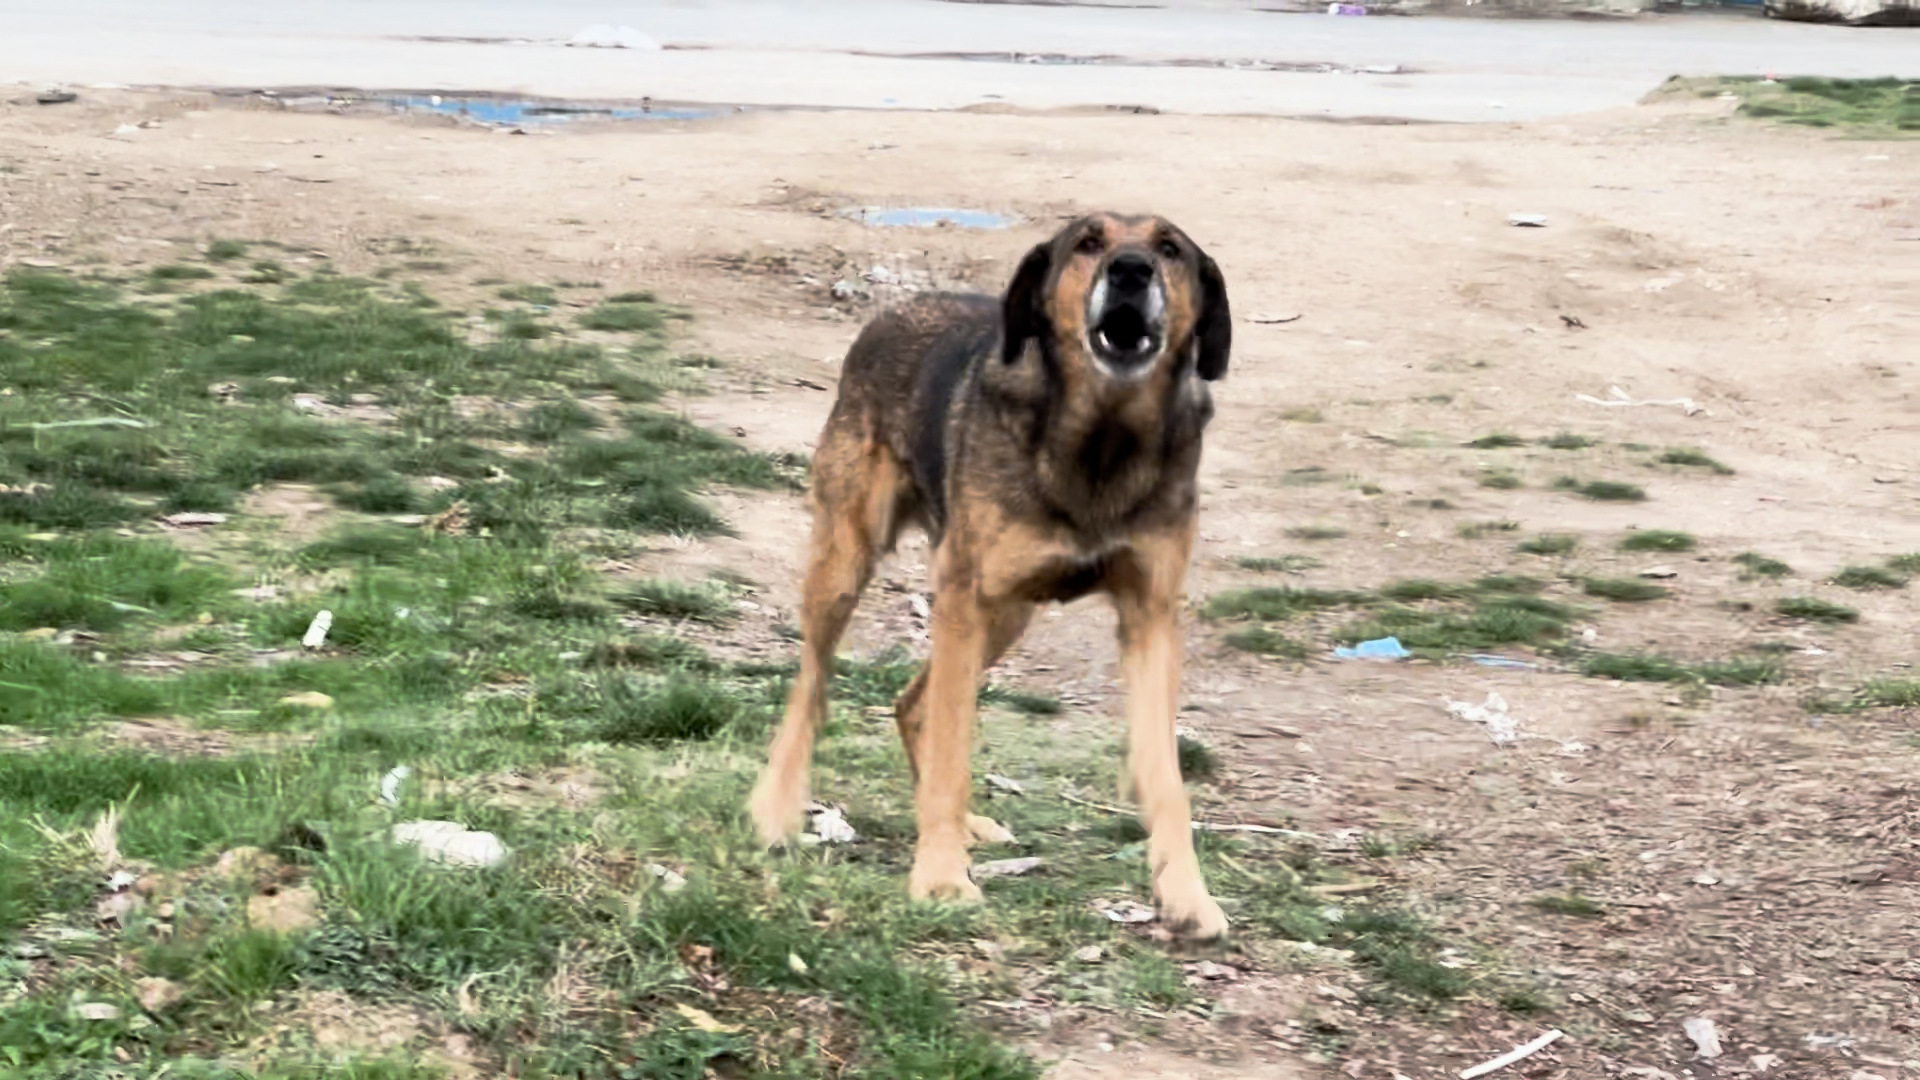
(1753,864)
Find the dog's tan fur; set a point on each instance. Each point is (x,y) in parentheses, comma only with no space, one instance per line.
(1041,472)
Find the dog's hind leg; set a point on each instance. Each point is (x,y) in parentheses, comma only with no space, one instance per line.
(857,486)
(1146,592)
(910,708)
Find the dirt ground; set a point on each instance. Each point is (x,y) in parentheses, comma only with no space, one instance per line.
(1758,865)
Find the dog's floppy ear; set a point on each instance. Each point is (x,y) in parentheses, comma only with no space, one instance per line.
(1023,311)
(1213,330)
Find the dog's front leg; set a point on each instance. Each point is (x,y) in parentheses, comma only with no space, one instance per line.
(1146,593)
(944,756)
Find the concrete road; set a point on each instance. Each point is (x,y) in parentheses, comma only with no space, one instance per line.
(901,53)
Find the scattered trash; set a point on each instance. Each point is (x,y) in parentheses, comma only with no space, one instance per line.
(1213,972)
(602,36)
(451,843)
(1573,322)
(1495,660)
(316,634)
(1660,572)
(1518,1053)
(847,290)
(56,97)
(260,593)
(1501,727)
(1090,954)
(1386,648)
(928,217)
(825,825)
(96,1010)
(1618,398)
(390,785)
(94,421)
(193,520)
(1527,221)
(1346,9)
(1005,867)
(1006,784)
(671,881)
(795,964)
(1275,320)
(1706,1037)
(1125,912)
(1382,69)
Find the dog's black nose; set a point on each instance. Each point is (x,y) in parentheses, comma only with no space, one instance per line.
(1129,273)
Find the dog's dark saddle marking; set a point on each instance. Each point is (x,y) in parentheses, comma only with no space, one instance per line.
(946,367)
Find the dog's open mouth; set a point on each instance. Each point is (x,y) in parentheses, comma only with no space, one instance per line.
(1124,333)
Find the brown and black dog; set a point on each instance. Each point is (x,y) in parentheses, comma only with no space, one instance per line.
(1047,442)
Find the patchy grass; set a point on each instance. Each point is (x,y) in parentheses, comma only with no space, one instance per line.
(1487,620)
(670,599)
(1317,532)
(1568,441)
(1276,603)
(1480,530)
(1282,564)
(1815,609)
(1869,577)
(1694,459)
(1499,440)
(1885,107)
(1580,907)
(1642,668)
(543,295)
(1551,544)
(1624,590)
(1500,480)
(1905,564)
(1263,641)
(1658,540)
(1602,490)
(227,250)
(1197,759)
(627,316)
(1754,565)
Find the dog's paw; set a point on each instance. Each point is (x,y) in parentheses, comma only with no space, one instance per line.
(985,830)
(1191,913)
(779,810)
(942,876)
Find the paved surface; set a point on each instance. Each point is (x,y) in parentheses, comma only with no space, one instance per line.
(861,53)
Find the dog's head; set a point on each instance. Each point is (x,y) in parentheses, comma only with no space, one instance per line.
(1129,293)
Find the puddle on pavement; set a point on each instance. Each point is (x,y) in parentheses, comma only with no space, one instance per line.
(489,110)
(928,217)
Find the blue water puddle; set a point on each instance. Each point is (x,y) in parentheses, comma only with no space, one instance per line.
(928,217)
(518,111)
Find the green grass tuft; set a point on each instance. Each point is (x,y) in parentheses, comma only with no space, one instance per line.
(1905,564)
(1317,532)
(625,317)
(1658,540)
(678,710)
(1755,565)
(1573,904)
(1625,590)
(1283,564)
(1265,642)
(1694,459)
(1569,441)
(1197,759)
(227,250)
(1604,490)
(1548,544)
(1815,609)
(1499,440)
(1639,668)
(669,599)
(1276,603)
(1501,481)
(1478,530)
(1869,577)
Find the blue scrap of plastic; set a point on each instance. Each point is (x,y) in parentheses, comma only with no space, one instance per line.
(1496,660)
(1386,648)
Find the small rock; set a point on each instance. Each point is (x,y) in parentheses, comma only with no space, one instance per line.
(246,862)
(1659,572)
(193,519)
(1213,972)
(1528,221)
(39,264)
(310,699)
(115,907)
(1006,784)
(1125,911)
(1090,954)
(285,911)
(989,950)
(97,1010)
(158,995)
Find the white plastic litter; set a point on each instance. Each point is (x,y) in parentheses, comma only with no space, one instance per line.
(317,630)
(826,825)
(670,880)
(390,784)
(602,36)
(1005,867)
(1619,399)
(1501,727)
(1705,1036)
(1518,1053)
(1127,911)
(451,843)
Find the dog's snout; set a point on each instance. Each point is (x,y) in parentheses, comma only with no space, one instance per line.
(1129,273)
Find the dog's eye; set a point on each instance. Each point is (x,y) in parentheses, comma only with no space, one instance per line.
(1091,244)
(1170,249)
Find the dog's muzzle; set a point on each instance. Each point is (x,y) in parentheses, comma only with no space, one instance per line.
(1126,313)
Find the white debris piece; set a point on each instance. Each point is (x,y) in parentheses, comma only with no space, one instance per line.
(826,825)
(1706,1037)
(316,635)
(451,843)
(1501,727)
(603,36)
